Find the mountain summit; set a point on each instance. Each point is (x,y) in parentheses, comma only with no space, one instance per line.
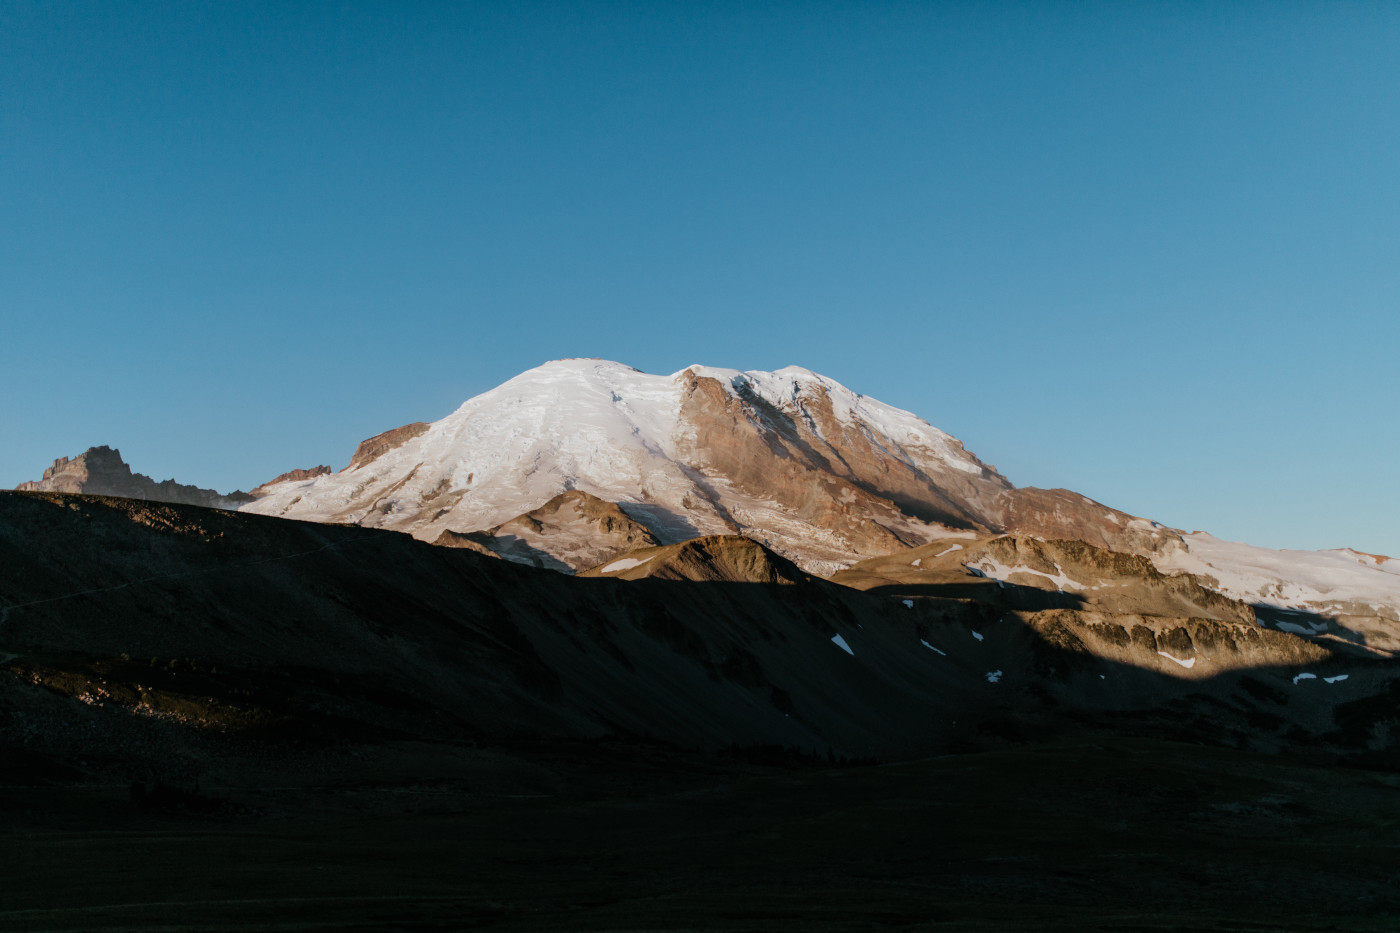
(101,471)
(819,473)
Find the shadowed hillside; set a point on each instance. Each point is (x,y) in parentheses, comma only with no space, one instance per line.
(320,691)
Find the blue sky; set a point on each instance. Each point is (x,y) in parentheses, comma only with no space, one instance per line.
(1149,252)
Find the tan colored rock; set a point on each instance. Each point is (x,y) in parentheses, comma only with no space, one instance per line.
(467,541)
(570,532)
(1182,647)
(292,476)
(1021,572)
(375,447)
(1060,514)
(709,559)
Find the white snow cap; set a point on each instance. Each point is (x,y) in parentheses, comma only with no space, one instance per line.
(599,426)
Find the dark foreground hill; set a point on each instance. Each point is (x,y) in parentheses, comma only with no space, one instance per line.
(306,726)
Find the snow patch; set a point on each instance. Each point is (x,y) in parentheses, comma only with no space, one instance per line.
(1003,574)
(626,563)
(908,603)
(1188,663)
(1338,678)
(841,643)
(993,677)
(956,547)
(1304,676)
(977,635)
(931,648)
(915,563)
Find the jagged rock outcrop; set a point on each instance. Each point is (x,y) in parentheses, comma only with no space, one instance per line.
(372,448)
(101,471)
(711,559)
(572,531)
(292,476)
(468,541)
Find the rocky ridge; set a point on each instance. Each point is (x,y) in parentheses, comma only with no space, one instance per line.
(711,559)
(571,532)
(1022,572)
(102,471)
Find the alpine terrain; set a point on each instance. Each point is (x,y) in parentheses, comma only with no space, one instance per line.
(716,650)
(818,473)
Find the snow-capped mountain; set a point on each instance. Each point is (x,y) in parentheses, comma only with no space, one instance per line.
(577,462)
(796,460)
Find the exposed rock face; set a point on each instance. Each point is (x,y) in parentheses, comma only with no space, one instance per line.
(794,455)
(293,476)
(1026,573)
(712,559)
(102,471)
(572,531)
(468,541)
(377,446)
(1064,515)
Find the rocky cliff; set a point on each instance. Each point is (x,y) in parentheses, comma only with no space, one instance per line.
(102,471)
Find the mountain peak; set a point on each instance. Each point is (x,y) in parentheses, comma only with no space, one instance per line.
(101,471)
(818,472)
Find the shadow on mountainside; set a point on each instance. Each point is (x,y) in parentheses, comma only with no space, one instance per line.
(516,548)
(991,592)
(142,635)
(1307,623)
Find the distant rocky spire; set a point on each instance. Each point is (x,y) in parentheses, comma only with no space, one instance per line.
(101,471)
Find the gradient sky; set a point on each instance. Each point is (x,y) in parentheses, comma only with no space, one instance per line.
(1149,252)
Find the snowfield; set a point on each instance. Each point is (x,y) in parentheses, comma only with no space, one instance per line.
(1335,583)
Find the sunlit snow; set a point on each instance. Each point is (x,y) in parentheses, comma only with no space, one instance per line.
(1003,574)
(1188,663)
(626,563)
(1314,580)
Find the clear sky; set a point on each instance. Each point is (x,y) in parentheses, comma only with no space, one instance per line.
(1146,251)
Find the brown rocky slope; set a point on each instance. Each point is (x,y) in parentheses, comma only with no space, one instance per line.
(1024,572)
(571,532)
